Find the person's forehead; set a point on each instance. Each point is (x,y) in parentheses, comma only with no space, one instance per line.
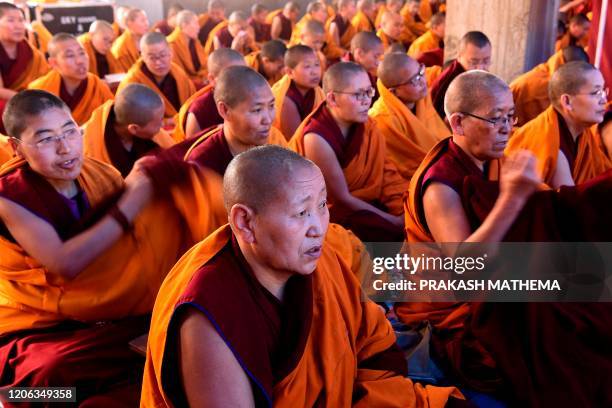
(473,51)
(11,13)
(51,118)
(303,182)
(496,100)
(307,59)
(256,96)
(359,80)
(69,45)
(152,48)
(592,78)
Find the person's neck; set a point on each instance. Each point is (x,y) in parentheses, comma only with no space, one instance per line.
(410,105)
(136,38)
(71,84)
(67,188)
(235,146)
(186,37)
(575,128)
(301,89)
(126,138)
(158,79)
(459,141)
(10,47)
(274,281)
(344,126)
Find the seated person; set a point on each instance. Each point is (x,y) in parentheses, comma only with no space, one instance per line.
(199,112)
(122,131)
(530,90)
(365,187)
(313,35)
(474,52)
(412,18)
(367,50)
(391,30)
(282,23)
(269,61)
(120,14)
(80,262)
(315,10)
(561,137)
(275,265)
(432,40)
(257,20)
(187,52)
(20,62)
(237,35)
(70,80)
(297,93)
(246,104)
(167,25)
(365,16)
(340,26)
(404,113)
(490,347)
(126,48)
(214,16)
(577,33)
(157,71)
(393,6)
(97,44)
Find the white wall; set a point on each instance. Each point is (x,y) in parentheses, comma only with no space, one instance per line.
(153,8)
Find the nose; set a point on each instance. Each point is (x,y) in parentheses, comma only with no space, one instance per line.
(268,117)
(62,145)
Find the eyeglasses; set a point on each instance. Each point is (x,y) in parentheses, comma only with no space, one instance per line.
(415,79)
(361,95)
(497,122)
(158,57)
(49,142)
(600,93)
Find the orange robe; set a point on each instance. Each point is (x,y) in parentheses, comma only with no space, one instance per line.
(361,22)
(326,372)
(347,36)
(567,40)
(6,151)
(209,46)
(530,90)
(39,36)
(182,56)
(113,65)
(431,74)
(280,91)
(330,50)
(96,93)
(542,136)
(426,42)
(184,85)
(94,144)
(417,28)
(123,281)
(408,136)
(125,50)
(26,68)
(388,41)
(370,174)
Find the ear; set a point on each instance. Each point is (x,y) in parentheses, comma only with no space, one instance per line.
(565,102)
(242,221)
(223,109)
(456,123)
(330,99)
(15,146)
(357,54)
(211,79)
(52,62)
(133,129)
(289,72)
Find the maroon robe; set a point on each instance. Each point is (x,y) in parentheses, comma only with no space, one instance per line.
(262,30)
(206,29)
(286,27)
(167,87)
(567,144)
(303,103)
(73,100)
(225,38)
(193,53)
(122,159)
(213,152)
(163,27)
(101,64)
(11,69)
(440,85)
(342,25)
(205,110)
(432,57)
(368,226)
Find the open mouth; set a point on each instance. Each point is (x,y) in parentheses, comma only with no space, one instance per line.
(314,252)
(68,164)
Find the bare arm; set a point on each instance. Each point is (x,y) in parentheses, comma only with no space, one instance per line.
(335,33)
(276,29)
(216,43)
(192,127)
(39,239)
(290,118)
(448,222)
(320,152)
(5,93)
(211,374)
(563,174)
(570,5)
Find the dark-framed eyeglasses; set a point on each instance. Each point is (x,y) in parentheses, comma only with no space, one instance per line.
(360,95)
(415,79)
(497,122)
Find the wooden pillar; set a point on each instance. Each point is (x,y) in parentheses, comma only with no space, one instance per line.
(522,32)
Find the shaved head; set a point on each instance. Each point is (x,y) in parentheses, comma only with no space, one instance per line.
(476,38)
(313,27)
(58,39)
(315,6)
(237,17)
(273,50)
(215,4)
(365,40)
(291,6)
(568,79)
(339,76)
(26,104)
(236,83)
(100,26)
(296,54)
(222,58)
(574,53)
(152,38)
(133,14)
(135,104)
(470,90)
(394,68)
(185,17)
(389,17)
(256,177)
(437,19)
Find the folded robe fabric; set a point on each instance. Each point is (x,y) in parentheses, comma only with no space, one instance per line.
(113,65)
(125,51)
(30,64)
(183,57)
